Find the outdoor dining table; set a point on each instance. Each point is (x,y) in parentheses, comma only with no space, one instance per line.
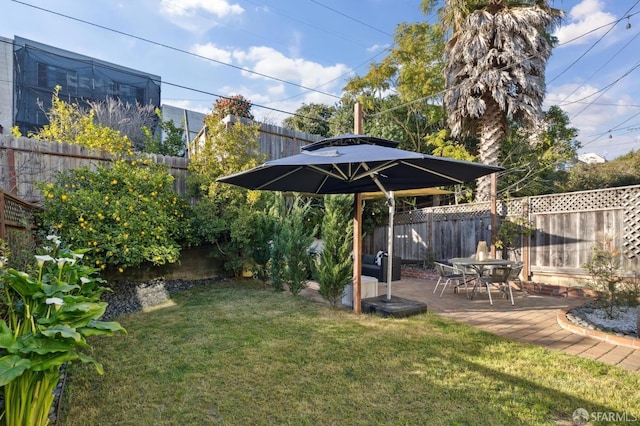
(480,266)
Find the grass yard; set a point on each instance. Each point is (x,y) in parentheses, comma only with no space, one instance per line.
(237,354)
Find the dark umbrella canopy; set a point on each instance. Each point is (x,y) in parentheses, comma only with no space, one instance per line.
(350,164)
(354,164)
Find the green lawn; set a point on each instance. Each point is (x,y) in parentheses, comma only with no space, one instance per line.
(237,354)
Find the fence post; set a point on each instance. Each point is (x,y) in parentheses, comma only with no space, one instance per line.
(3,225)
(526,261)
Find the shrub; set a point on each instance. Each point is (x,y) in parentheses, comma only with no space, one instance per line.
(290,262)
(603,266)
(260,247)
(126,214)
(334,266)
(299,242)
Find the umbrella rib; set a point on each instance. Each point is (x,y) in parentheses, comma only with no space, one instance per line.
(340,176)
(424,169)
(370,172)
(279,177)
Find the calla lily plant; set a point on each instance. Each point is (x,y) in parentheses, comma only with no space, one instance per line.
(47,321)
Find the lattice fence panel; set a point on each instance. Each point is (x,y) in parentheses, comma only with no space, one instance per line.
(631,239)
(16,212)
(414,216)
(580,201)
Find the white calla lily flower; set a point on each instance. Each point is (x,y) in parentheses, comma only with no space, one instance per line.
(41,259)
(61,261)
(54,301)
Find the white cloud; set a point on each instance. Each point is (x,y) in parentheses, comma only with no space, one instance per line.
(210,51)
(268,61)
(377,48)
(573,99)
(198,16)
(189,8)
(583,18)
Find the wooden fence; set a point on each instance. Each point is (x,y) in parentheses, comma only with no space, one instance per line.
(24,161)
(566,227)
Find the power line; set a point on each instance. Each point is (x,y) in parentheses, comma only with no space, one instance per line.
(180,86)
(605,89)
(332,33)
(599,69)
(351,18)
(594,44)
(166,46)
(610,130)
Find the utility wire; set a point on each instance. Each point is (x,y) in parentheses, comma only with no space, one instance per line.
(351,18)
(180,86)
(442,92)
(594,44)
(605,89)
(322,29)
(166,46)
(562,102)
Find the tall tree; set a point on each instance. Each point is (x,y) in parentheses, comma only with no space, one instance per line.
(236,105)
(311,118)
(496,58)
(401,95)
(334,265)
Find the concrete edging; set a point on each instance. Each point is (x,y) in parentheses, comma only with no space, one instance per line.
(627,341)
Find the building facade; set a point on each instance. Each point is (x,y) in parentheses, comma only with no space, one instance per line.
(30,71)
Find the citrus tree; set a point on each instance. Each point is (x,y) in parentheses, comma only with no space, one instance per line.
(126,214)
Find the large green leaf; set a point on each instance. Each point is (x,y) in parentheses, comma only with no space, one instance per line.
(22,283)
(85,307)
(7,341)
(101,328)
(55,289)
(43,345)
(87,358)
(53,360)
(80,314)
(12,366)
(63,331)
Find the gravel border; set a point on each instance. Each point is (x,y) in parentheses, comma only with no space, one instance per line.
(583,316)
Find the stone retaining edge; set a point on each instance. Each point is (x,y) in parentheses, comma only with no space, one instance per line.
(564,323)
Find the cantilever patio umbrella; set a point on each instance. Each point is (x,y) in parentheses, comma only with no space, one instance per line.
(352,164)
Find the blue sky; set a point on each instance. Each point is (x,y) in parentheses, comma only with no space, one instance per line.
(282,53)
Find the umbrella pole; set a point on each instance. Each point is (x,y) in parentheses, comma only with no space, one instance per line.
(392,208)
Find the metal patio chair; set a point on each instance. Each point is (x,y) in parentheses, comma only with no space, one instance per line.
(514,276)
(499,277)
(446,274)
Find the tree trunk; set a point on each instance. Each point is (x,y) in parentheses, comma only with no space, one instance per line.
(491,132)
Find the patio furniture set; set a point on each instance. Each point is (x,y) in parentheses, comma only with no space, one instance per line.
(483,274)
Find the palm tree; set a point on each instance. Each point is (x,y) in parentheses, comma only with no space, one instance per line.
(495,69)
